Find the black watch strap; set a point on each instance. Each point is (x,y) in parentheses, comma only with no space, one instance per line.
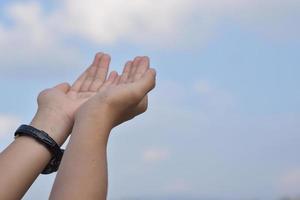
(44,139)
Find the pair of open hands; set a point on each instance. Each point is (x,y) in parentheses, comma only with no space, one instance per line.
(93,94)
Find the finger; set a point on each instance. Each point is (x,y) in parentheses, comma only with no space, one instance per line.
(101,72)
(112,76)
(117,80)
(142,68)
(91,72)
(78,83)
(126,71)
(133,68)
(64,87)
(81,79)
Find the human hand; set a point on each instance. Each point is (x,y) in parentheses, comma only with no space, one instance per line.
(57,105)
(121,97)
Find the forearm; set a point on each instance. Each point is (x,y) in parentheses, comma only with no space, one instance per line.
(83,171)
(24,159)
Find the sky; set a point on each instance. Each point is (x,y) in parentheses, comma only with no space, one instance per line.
(224,119)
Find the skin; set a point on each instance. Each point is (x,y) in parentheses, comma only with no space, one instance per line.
(57,108)
(83,170)
(24,159)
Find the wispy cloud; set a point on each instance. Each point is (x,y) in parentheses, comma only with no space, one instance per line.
(30,39)
(109,21)
(179,186)
(153,155)
(289,183)
(35,31)
(8,124)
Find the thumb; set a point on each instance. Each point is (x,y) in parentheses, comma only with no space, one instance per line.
(64,87)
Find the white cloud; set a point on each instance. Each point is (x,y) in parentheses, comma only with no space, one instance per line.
(7,124)
(178,186)
(155,154)
(203,87)
(290,182)
(32,40)
(37,34)
(109,21)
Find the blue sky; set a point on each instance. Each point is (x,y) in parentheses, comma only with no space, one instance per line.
(223,121)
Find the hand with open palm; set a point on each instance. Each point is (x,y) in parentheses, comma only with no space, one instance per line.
(63,100)
(121,97)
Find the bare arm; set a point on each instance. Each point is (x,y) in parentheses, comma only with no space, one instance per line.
(24,159)
(83,171)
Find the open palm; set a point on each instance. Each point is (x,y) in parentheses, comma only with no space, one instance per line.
(125,94)
(66,99)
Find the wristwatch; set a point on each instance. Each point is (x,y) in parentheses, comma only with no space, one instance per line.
(44,139)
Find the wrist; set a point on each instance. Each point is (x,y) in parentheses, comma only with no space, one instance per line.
(54,123)
(96,116)
(97,122)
